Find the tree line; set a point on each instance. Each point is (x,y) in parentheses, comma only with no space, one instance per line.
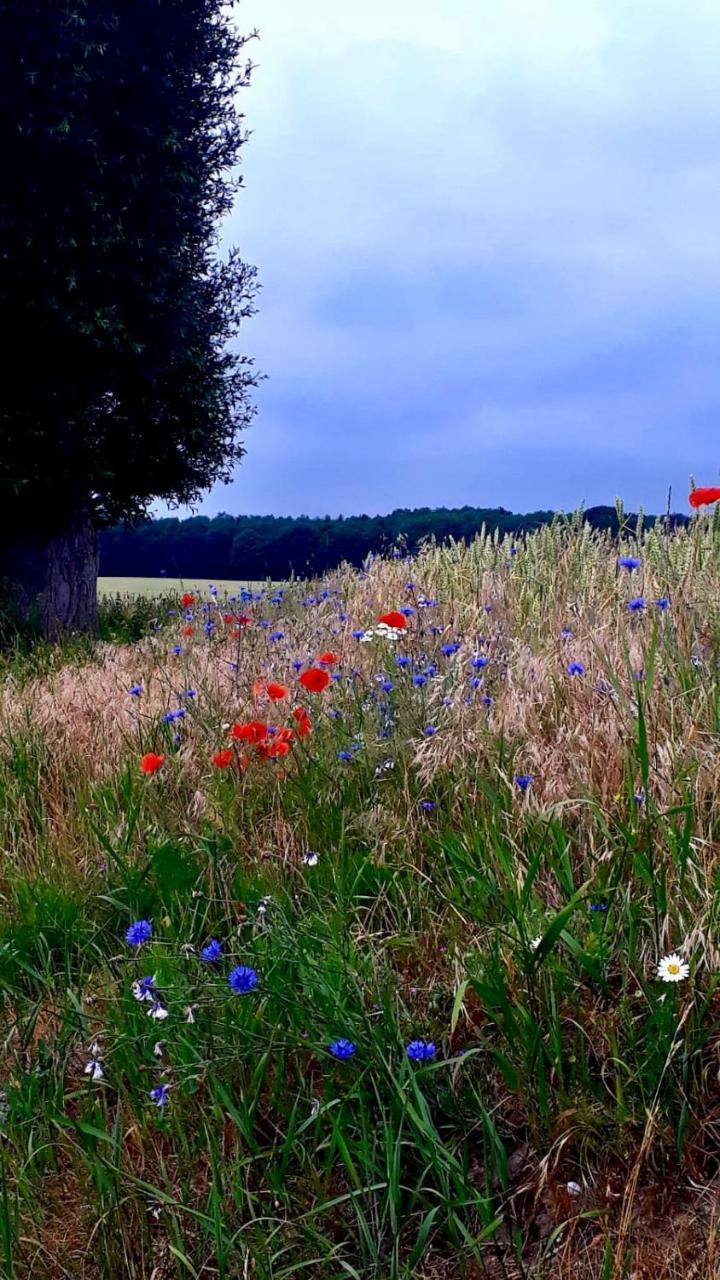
(252,547)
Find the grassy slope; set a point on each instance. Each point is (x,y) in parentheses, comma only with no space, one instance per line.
(153,587)
(568,1082)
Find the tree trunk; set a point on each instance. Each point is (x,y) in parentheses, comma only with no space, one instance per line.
(52,581)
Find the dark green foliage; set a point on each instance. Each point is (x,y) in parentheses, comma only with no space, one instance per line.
(120,135)
(275,546)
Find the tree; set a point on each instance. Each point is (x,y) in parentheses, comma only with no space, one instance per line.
(120,132)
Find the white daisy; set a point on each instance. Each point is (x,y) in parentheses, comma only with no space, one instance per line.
(673,968)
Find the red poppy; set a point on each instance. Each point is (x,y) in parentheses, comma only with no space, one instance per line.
(314,680)
(242,620)
(271,750)
(228,618)
(255,731)
(259,687)
(328,659)
(394,619)
(187,631)
(703,497)
(187,601)
(277,691)
(304,723)
(285,734)
(151,762)
(223,759)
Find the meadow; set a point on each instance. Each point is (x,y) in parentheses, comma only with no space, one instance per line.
(367,927)
(152,588)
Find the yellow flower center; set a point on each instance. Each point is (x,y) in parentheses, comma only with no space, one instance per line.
(673,967)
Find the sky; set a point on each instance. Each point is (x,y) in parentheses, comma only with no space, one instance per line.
(488,237)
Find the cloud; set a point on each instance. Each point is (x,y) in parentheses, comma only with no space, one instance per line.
(489,253)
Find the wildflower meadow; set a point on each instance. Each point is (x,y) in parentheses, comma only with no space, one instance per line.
(366,927)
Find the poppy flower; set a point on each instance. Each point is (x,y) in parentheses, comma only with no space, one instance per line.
(277,691)
(222,759)
(243,620)
(304,723)
(258,688)
(703,497)
(255,731)
(394,619)
(228,618)
(187,600)
(272,749)
(315,680)
(328,659)
(187,631)
(151,762)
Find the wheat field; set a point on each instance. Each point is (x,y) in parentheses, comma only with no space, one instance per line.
(341,947)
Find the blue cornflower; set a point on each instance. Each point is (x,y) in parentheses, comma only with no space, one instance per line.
(188,693)
(144,987)
(513,551)
(172,613)
(140,931)
(358,634)
(428,804)
(487,700)
(409,586)
(479,662)
(233,665)
(403,660)
(629,562)
(566,634)
(523,780)
(176,650)
(421,1050)
(159,1095)
(135,690)
(276,635)
(213,591)
(170,716)
(575,669)
(429,730)
(297,665)
(336,676)
(342,1049)
(476,682)
(431,669)
(406,611)
(345,755)
(637,605)
(663,603)
(242,980)
(212,951)
(598,906)
(387,686)
(265,624)
(419,680)
(209,628)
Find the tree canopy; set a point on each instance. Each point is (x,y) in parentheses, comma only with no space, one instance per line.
(248,547)
(121,133)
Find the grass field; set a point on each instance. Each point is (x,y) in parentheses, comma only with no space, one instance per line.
(153,587)
(409,973)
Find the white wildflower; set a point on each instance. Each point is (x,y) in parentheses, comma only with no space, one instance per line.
(673,968)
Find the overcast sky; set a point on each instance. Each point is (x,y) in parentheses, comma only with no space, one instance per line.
(488,235)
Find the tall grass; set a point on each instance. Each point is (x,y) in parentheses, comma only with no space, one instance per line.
(568,1121)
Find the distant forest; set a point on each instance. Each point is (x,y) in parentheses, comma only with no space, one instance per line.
(252,547)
